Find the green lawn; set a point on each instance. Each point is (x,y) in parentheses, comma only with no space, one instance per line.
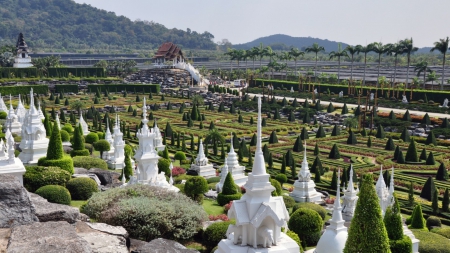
(211,207)
(77,203)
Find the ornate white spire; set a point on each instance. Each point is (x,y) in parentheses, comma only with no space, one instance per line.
(11,109)
(304,175)
(350,186)
(380,181)
(58,123)
(259,166)
(336,221)
(201,153)
(32,107)
(231,143)
(171,178)
(10,146)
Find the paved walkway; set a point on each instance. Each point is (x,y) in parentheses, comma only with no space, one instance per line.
(380,109)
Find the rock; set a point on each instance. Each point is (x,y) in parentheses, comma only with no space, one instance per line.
(109,186)
(48,237)
(105,243)
(159,245)
(105,228)
(5,233)
(46,211)
(80,170)
(15,204)
(106,177)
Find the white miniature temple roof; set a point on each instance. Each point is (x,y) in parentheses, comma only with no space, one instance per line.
(350,186)
(201,153)
(259,165)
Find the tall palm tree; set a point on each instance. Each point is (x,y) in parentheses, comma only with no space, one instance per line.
(432,77)
(272,66)
(351,50)
(232,54)
(262,51)
(365,50)
(380,49)
(254,54)
(270,53)
(408,49)
(286,57)
(395,50)
(441,46)
(422,67)
(315,48)
(339,53)
(295,54)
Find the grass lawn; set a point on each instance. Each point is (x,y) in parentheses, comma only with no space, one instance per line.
(211,207)
(77,203)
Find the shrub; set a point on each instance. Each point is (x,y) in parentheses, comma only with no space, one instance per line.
(288,201)
(307,224)
(211,179)
(433,221)
(55,194)
(164,166)
(417,220)
(442,231)
(223,199)
(442,173)
(281,178)
(68,128)
(313,206)
(403,245)
(3,115)
(179,155)
(65,163)
(216,232)
(83,152)
(81,188)
(411,153)
(431,242)
(147,212)
(180,178)
(91,138)
(428,189)
(37,176)
(64,136)
(102,146)
(195,187)
(55,149)
(278,191)
(295,237)
(178,171)
(334,152)
(89,162)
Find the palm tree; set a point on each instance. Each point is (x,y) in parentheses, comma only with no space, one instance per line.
(339,53)
(414,84)
(232,54)
(365,50)
(214,136)
(352,50)
(441,46)
(285,56)
(422,67)
(295,54)
(315,48)
(395,50)
(254,54)
(270,53)
(380,49)
(408,48)
(272,66)
(432,77)
(262,51)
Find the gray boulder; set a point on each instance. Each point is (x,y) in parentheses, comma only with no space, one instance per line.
(15,204)
(48,237)
(46,211)
(106,177)
(103,238)
(159,245)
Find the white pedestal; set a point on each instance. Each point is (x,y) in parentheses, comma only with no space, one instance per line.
(284,245)
(33,150)
(305,192)
(206,171)
(17,169)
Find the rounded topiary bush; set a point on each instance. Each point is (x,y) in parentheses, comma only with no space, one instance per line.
(230,191)
(195,187)
(318,208)
(55,194)
(147,212)
(403,245)
(101,135)
(288,201)
(3,115)
(163,166)
(37,176)
(84,153)
(68,128)
(88,162)
(278,191)
(81,188)
(295,237)
(216,232)
(307,224)
(64,136)
(91,138)
(433,221)
(65,163)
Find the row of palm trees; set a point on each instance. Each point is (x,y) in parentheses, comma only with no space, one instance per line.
(404,47)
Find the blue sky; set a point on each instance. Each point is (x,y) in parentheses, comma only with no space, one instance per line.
(349,21)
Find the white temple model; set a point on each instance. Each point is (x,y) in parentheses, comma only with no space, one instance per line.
(3,107)
(201,165)
(41,114)
(22,59)
(9,164)
(58,122)
(304,190)
(21,111)
(83,124)
(335,236)
(147,158)
(350,198)
(12,121)
(117,161)
(237,171)
(223,176)
(34,144)
(259,216)
(158,142)
(109,138)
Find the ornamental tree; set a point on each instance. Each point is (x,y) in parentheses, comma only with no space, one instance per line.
(390,144)
(336,131)
(55,149)
(411,154)
(405,136)
(334,153)
(273,138)
(320,132)
(380,132)
(442,173)
(102,146)
(428,189)
(298,145)
(351,138)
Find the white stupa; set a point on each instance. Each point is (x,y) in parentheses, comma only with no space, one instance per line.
(201,165)
(383,192)
(34,144)
(334,238)
(304,190)
(58,122)
(237,171)
(84,125)
(109,138)
(9,164)
(259,216)
(350,198)
(158,142)
(117,161)
(41,114)
(22,59)
(21,111)
(3,107)
(147,158)
(12,121)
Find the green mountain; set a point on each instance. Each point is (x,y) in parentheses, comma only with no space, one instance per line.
(285,42)
(64,24)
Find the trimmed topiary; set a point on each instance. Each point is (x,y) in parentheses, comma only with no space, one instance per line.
(195,187)
(65,163)
(403,245)
(417,220)
(229,191)
(320,132)
(397,149)
(37,176)
(64,136)
(334,153)
(307,224)
(317,166)
(273,138)
(55,194)
(215,232)
(431,139)
(313,206)
(369,142)
(380,132)
(55,149)
(89,162)
(351,140)
(289,201)
(281,178)
(400,157)
(298,145)
(406,116)
(330,108)
(423,155)
(344,109)
(295,237)
(430,159)
(81,188)
(336,131)
(304,134)
(433,221)
(445,201)
(428,189)
(91,138)
(405,136)
(367,232)
(278,190)
(411,154)
(390,144)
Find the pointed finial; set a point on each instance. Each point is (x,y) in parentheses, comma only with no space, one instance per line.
(231,143)
(338,191)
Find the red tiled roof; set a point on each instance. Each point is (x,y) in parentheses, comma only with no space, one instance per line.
(169,51)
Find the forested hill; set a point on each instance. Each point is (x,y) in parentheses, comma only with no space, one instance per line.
(285,42)
(66,24)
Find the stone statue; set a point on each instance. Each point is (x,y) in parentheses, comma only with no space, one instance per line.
(445,104)
(371,96)
(341,94)
(404,100)
(292,89)
(267,236)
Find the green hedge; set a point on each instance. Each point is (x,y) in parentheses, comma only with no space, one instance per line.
(16,90)
(65,163)
(81,188)
(431,242)
(88,162)
(154,88)
(77,72)
(225,199)
(18,72)
(401,246)
(83,153)
(66,88)
(55,194)
(215,232)
(37,176)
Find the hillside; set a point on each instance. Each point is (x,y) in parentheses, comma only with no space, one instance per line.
(64,24)
(284,42)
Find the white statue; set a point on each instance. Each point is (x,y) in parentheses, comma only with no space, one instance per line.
(445,103)
(267,236)
(341,94)
(315,91)
(292,89)
(371,96)
(404,100)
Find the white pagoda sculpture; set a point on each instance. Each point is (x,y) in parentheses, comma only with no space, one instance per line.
(384,193)
(147,158)
(259,216)
(12,121)
(41,114)
(84,125)
(350,198)
(304,190)
(22,59)
(201,165)
(223,176)
(335,236)
(237,171)
(9,164)
(3,107)
(117,161)
(109,138)
(34,144)
(21,111)
(158,142)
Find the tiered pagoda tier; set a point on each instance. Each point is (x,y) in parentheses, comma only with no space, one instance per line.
(109,138)
(34,144)
(9,164)
(202,165)
(21,111)
(83,124)
(12,121)
(118,160)
(259,216)
(350,198)
(3,107)
(22,59)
